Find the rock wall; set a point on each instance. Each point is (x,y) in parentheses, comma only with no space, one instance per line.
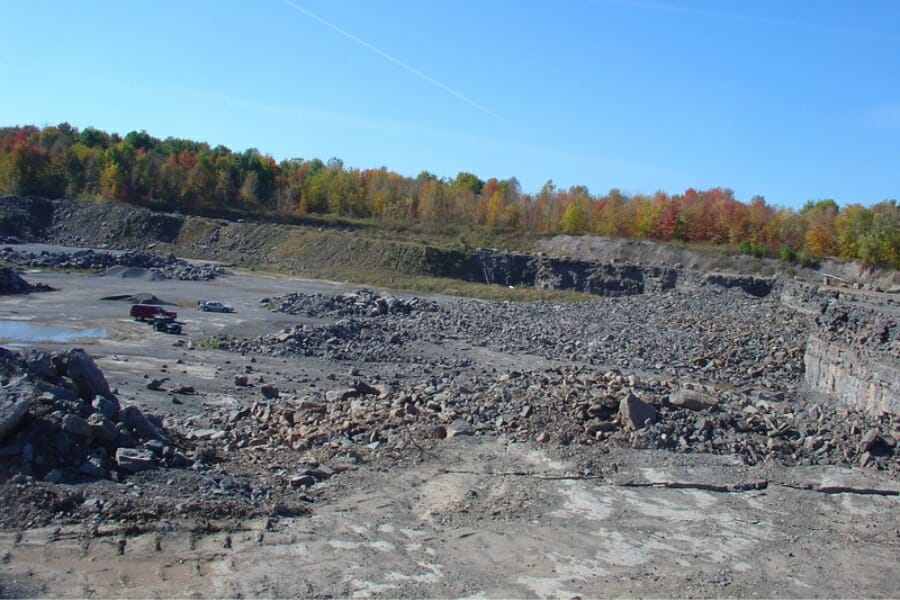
(546,272)
(852,377)
(853,351)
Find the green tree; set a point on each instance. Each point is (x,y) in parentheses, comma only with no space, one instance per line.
(573,219)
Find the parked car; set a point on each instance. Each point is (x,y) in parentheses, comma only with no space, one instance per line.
(214,306)
(166,325)
(146,312)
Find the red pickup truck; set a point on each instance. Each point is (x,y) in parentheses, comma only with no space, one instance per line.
(147,312)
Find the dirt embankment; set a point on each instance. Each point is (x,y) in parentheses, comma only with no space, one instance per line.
(643,252)
(593,264)
(309,250)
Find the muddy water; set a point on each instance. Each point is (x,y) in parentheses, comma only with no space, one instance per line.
(23,332)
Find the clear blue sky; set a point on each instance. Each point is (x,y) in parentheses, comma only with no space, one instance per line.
(792,100)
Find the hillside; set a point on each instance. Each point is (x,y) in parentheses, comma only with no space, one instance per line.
(191,177)
(398,259)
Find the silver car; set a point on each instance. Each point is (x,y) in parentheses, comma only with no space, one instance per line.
(214,306)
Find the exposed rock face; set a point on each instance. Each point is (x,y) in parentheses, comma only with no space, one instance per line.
(853,352)
(71,223)
(540,271)
(593,277)
(853,376)
(755,286)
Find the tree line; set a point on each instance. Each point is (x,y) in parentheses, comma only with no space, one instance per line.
(182,174)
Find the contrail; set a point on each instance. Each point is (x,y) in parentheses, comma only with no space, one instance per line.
(393,59)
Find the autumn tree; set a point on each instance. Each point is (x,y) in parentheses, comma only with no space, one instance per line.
(821,234)
(186,174)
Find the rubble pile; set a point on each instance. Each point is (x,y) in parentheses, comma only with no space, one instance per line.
(724,335)
(345,340)
(718,334)
(361,303)
(708,370)
(755,425)
(877,331)
(165,266)
(361,332)
(13,283)
(566,406)
(59,421)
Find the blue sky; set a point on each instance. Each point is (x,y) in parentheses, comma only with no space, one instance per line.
(791,100)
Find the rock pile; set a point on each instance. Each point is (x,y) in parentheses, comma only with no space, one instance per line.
(167,267)
(59,421)
(687,416)
(360,334)
(877,331)
(568,406)
(713,369)
(13,283)
(345,340)
(711,333)
(361,303)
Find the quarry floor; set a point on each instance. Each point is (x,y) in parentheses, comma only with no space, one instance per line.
(473,517)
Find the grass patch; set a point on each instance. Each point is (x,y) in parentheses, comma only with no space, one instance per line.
(212,344)
(420,284)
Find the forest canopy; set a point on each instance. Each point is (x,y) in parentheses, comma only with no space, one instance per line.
(186,175)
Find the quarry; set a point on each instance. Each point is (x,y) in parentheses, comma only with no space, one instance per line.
(680,428)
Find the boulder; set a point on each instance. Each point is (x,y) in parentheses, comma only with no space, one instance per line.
(132,460)
(692,399)
(11,414)
(635,413)
(54,476)
(87,376)
(92,468)
(77,426)
(12,283)
(459,427)
(133,418)
(365,389)
(108,406)
(39,363)
(104,430)
(869,441)
(13,406)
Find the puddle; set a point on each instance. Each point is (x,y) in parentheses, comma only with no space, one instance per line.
(23,331)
